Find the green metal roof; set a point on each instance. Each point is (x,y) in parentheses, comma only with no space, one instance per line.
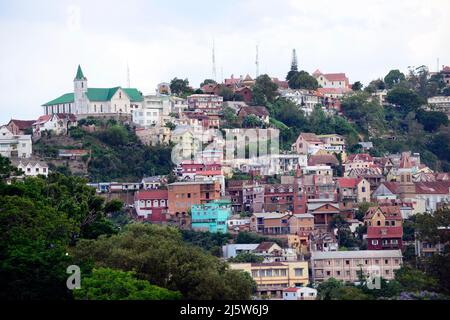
(98,94)
(65,98)
(80,75)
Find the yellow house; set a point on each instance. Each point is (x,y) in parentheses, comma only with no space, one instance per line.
(272,278)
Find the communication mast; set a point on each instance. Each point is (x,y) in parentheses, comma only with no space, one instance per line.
(214,75)
(257,62)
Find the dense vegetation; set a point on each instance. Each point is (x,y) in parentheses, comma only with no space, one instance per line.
(48,224)
(117,153)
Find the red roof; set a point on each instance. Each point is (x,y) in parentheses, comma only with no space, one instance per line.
(22,124)
(391,212)
(434,187)
(360,157)
(348,182)
(152,194)
(292,289)
(405,162)
(322,159)
(384,232)
(336,76)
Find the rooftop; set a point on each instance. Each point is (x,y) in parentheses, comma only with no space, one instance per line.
(318,255)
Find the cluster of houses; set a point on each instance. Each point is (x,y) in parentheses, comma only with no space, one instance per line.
(292,197)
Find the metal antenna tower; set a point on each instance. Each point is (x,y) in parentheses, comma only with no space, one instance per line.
(257,62)
(128,76)
(214,75)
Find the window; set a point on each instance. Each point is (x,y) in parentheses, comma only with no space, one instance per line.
(374,242)
(347,262)
(298,272)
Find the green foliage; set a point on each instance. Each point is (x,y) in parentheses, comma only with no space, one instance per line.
(6,169)
(115,147)
(180,87)
(33,238)
(226,93)
(211,242)
(109,284)
(393,78)
(159,255)
(252,121)
(357,86)
(302,80)
(412,279)
(432,120)
(406,99)
(207,81)
(363,113)
(231,120)
(246,257)
(250,237)
(264,90)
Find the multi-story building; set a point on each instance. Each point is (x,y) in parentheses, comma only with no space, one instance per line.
(14,146)
(154,108)
(353,190)
(183,195)
(211,216)
(278,198)
(20,127)
(348,265)
(151,205)
(307,100)
(273,223)
(208,103)
(252,197)
(272,278)
(357,161)
(384,228)
(331,80)
(154,135)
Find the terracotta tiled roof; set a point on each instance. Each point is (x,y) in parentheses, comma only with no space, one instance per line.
(264,246)
(384,232)
(259,111)
(152,194)
(348,182)
(393,212)
(23,124)
(360,157)
(335,77)
(322,159)
(435,187)
(405,162)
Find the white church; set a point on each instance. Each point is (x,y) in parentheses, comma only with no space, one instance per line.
(85,101)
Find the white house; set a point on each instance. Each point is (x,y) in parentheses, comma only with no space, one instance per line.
(31,168)
(303,293)
(57,123)
(14,146)
(154,108)
(305,99)
(85,101)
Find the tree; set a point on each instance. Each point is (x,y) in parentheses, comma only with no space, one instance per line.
(6,169)
(109,284)
(357,86)
(207,81)
(393,78)
(226,93)
(252,121)
(158,254)
(327,290)
(264,90)
(302,80)
(180,87)
(414,280)
(33,240)
(405,98)
(375,85)
(432,120)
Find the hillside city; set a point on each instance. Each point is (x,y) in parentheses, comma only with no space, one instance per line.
(313,186)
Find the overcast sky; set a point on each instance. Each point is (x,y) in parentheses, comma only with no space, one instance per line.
(42,42)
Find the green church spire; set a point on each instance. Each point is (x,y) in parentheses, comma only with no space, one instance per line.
(80,75)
